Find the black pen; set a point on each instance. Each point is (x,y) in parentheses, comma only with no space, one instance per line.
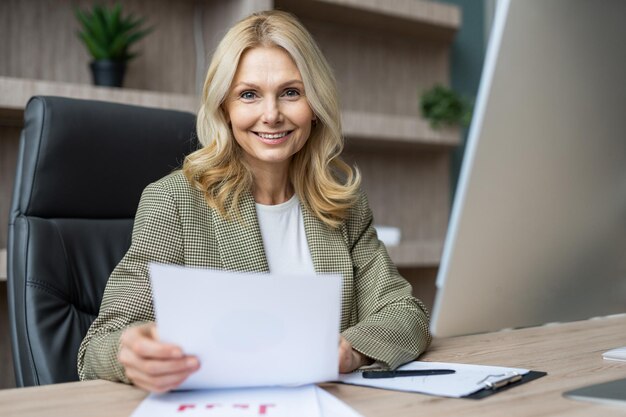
(407,372)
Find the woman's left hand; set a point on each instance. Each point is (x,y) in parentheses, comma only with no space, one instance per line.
(349,359)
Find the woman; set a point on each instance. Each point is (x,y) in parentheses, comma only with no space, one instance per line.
(267,192)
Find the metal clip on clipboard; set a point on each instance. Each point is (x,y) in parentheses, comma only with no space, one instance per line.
(494,382)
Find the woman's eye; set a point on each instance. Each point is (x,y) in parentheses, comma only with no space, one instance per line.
(248,95)
(292,92)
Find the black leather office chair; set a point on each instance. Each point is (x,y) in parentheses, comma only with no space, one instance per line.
(81,170)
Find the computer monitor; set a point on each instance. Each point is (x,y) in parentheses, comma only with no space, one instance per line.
(537,232)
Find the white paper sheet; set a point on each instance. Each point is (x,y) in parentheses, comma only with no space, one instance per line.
(332,406)
(241,402)
(467,379)
(250,330)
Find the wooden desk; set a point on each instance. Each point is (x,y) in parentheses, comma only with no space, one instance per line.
(570,353)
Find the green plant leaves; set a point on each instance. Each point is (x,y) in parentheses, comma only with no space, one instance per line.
(108,34)
(96,51)
(442,106)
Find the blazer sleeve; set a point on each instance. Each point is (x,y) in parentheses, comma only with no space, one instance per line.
(127,299)
(392,325)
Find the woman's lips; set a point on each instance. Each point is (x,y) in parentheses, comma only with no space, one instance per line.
(271,139)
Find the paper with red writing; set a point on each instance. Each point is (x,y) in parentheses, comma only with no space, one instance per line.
(306,401)
(250,330)
(242,402)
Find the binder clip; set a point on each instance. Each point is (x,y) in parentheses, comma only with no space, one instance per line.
(495,382)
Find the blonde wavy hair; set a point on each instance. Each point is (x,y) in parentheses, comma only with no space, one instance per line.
(322,180)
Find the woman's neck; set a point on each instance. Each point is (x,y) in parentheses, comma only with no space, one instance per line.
(271,187)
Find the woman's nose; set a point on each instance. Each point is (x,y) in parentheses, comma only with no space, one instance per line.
(271,112)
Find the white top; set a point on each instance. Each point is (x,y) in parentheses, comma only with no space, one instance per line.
(284,238)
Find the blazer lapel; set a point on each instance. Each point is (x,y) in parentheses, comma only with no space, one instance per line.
(331,255)
(240,242)
(241,245)
(327,246)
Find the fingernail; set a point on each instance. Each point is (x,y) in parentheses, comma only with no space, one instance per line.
(191,362)
(177,353)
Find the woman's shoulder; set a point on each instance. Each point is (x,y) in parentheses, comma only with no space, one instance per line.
(176,186)
(360,207)
(359,214)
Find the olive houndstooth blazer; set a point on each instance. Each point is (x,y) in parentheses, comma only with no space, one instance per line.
(174,225)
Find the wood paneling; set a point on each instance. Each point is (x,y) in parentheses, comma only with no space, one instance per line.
(423,282)
(380,72)
(407,189)
(9,143)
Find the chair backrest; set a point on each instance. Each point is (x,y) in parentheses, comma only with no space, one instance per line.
(81,170)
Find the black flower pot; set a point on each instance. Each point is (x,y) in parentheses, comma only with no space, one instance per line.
(108,73)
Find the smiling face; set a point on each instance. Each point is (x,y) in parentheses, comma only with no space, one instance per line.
(266,106)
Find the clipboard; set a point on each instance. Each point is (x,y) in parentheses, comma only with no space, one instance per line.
(468,381)
(506,384)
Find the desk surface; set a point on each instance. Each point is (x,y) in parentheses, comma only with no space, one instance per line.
(571,353)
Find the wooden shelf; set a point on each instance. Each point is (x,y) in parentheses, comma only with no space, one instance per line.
(15,93)
(424,19)
(416,253)
(396,131)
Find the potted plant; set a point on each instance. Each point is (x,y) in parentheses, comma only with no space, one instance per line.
(108,36)
(443,106)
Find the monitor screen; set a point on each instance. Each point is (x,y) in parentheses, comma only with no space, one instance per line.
(537,232)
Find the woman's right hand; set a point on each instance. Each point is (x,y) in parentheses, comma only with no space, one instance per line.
(150,364)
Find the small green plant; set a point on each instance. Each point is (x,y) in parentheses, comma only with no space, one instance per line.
(108,35)
(442,106)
